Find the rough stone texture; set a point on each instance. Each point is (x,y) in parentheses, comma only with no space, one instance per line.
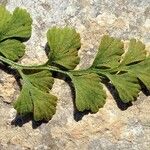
(109,129)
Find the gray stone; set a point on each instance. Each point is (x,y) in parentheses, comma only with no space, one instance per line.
(110,128)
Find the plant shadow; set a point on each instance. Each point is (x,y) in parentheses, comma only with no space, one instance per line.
(21,39)
(47,49)
(144,88)
(21,120)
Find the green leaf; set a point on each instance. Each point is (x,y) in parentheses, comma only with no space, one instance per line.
(64,44)
(109,53)
(34,97)
(12,26)
(17,25)
(89,92)
(136,52)
(12,49)
(127,86)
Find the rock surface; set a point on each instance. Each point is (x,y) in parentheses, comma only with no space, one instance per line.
(109,129)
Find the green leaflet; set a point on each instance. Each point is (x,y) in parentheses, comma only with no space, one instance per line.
(12,26)
(109,53)
(127,86)
(35,98)
(136,52)
(89,92)
(16,25)
(12,49)
(64,44)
